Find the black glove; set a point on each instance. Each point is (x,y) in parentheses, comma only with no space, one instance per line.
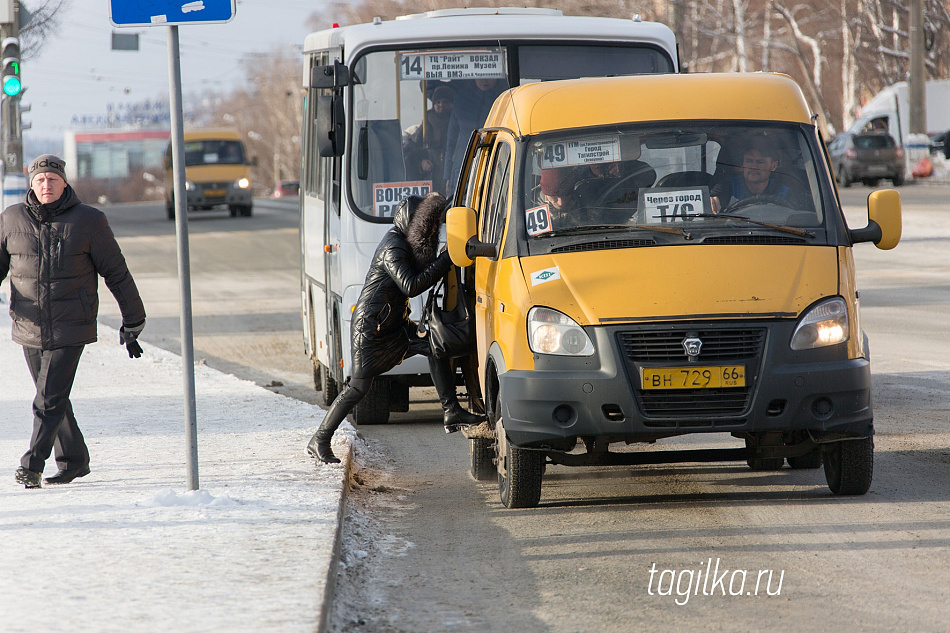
(128,335)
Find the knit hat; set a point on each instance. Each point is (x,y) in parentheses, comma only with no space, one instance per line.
(48,163)
(556,182)
(443,92)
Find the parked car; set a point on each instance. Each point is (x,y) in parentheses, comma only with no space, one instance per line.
(867,157)
(286,188)
(939,144)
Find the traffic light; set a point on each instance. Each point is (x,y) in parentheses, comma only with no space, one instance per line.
(12,86)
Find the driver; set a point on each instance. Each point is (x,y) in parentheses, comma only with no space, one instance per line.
(756,178)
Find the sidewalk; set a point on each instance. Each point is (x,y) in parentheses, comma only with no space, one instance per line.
(127,548)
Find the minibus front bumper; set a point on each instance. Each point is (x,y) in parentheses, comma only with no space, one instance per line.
(820,391)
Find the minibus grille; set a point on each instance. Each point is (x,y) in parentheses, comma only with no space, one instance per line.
(692,406)
(693,403)
(602,246)
(667,345)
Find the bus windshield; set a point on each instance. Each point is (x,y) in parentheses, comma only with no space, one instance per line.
(415,109)
(214,152)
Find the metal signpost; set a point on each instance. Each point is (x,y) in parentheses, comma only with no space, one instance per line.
(171,13)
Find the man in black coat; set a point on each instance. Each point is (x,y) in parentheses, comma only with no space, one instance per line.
(405,265)
(54,248)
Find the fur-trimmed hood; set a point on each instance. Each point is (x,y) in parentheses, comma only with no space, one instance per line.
(422,229)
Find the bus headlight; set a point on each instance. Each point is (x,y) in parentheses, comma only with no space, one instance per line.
(553,332)
(242,183)
(824,324)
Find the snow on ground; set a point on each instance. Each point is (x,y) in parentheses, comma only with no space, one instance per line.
(128,548)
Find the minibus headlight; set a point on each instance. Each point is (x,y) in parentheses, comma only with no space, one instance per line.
(824,324)
(553,332)
(242,183)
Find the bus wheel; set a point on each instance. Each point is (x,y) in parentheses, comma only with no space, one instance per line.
(849,466)
(330,388)
(374,407)
(483,459)
(519,479)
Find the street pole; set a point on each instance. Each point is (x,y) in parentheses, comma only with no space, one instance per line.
(917,79)
(184,261)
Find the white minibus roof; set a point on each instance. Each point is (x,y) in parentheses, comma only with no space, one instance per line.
(485,24)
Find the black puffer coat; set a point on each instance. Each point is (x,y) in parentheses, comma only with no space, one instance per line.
(54,253)
(405,265)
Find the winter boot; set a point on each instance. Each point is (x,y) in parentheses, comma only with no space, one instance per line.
(29,478)
(319,445)
(454,417)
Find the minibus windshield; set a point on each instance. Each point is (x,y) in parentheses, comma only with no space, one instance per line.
(676,177)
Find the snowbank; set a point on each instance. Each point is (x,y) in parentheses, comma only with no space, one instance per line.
(128,548)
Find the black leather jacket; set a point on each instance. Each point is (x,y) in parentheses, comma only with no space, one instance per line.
(381,324)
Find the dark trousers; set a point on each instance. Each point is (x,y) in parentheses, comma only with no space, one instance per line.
(54,426)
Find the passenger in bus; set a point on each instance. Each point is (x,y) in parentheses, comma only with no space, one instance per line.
(425,146)
(756,177)
(557,190)
(406,264)
(471,106)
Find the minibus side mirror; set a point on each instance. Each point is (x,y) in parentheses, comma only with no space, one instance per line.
(884,220)
(334,76)
(460,228)
(330,129)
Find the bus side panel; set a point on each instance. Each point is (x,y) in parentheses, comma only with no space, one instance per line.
(314,267)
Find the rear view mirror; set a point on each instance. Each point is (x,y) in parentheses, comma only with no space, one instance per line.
(336,75)
(330,126)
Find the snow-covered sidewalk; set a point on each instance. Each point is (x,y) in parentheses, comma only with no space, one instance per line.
(128,548)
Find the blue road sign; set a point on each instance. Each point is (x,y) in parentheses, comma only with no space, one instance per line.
(170,12)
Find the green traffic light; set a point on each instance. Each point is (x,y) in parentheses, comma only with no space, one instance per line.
(12,86)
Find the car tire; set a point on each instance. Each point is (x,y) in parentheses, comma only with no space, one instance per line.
(849,466)
(898,180)
(330,388)
(520,486)
(844,178)
(373,409)
(483,459)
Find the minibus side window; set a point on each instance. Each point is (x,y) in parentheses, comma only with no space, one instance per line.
(497,208)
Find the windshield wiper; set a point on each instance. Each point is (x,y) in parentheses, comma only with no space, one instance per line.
(778,227)
(595,228)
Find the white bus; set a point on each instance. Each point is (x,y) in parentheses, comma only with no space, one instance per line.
(368,87)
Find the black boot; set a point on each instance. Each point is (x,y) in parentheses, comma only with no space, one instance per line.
(319,445)
(454,417)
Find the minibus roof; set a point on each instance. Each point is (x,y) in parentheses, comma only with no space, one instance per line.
(487,24)
(572,103)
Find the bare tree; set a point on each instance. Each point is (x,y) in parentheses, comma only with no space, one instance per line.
(268,112)
(44,21)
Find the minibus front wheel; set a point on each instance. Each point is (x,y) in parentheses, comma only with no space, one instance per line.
(519,473)
(849,465)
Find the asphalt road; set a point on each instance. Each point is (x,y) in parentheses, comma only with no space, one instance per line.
(428,549)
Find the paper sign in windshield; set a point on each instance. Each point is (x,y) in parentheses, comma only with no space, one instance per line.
(581,152)
(486,63)
(388,195)
(658,206)
(538,220)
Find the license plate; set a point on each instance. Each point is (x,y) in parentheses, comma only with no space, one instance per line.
(693,377)
(214,193)
(877,169)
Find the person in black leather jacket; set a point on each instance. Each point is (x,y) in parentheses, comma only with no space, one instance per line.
(405,265)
